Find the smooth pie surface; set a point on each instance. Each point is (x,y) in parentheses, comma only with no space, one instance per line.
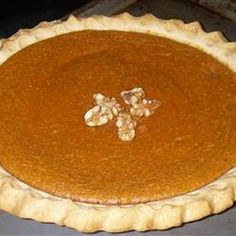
(46,89)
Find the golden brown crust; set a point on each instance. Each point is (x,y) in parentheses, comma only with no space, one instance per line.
(26,202)
(19,199)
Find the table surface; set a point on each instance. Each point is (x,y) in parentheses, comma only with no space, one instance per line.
(218,225)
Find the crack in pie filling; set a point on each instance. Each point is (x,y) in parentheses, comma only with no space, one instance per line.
(47,87)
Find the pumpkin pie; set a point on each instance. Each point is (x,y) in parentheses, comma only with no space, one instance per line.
(177,165)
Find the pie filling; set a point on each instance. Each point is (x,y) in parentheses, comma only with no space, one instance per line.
(47,88)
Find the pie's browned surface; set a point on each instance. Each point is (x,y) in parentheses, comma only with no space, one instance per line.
(46,89)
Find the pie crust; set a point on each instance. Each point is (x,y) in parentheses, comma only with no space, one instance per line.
(24,201)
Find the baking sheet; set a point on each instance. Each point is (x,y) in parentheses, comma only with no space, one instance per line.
(219,225)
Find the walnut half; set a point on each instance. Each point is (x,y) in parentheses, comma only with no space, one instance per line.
(109,103)
(126,126)
(139,105)
(104,110)
(133,97)
(145,108)
(98,116)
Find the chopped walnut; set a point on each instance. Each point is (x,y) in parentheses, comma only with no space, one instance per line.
(126,126)
(98,116)
(145,108)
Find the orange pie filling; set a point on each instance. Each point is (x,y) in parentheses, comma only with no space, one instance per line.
(47,88)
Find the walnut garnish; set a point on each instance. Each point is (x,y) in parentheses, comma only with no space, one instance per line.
(110,103)
(103,112)
(140,106)
(133,96)
(107,108)
(126,126)
(145,108)
(98,116)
